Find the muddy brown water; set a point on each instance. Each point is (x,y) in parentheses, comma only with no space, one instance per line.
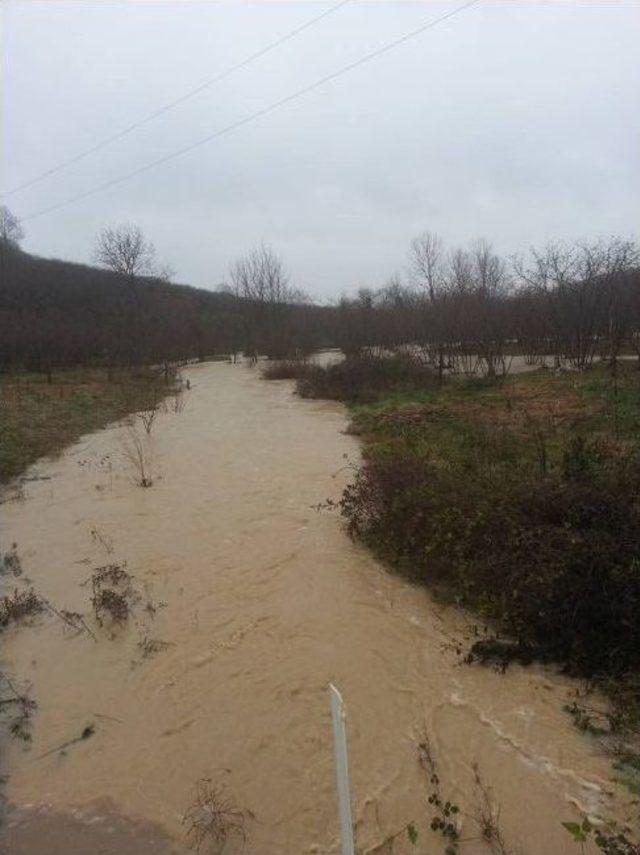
(263,600)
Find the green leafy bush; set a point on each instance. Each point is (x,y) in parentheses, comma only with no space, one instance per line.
(551,561)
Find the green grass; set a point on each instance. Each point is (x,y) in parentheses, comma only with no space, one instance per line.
(514,415)
(39,418)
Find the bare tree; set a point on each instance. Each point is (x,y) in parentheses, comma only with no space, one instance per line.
(138,453)
(475,309)
(425,263)
(261,276)
(125,250)
(581,285)
(164,272)
(488,320)
(426,270)
(610,263)
(396,306)
(261,279)
(11,232)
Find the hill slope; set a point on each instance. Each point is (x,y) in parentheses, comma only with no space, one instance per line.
(58,313)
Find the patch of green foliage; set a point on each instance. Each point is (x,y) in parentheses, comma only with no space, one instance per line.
(609,841)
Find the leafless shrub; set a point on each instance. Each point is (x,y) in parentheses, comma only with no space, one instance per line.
(110,602)
(137,454)
(175,401)
(152,646)
(213,817)
(178,401)
(10,562)
(113,574)
(487,816)
(147,417)
(74,620)
(112,593)
(98,537)
(20,707)
(18,605)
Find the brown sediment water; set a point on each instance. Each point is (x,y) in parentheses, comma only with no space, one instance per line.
(263,600)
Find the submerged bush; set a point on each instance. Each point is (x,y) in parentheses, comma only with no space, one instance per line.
(112,593)
(18,605)
(213,818)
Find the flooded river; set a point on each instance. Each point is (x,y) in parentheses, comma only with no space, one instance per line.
(262,600)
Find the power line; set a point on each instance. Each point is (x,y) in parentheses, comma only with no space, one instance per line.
(176,101)
(256,115)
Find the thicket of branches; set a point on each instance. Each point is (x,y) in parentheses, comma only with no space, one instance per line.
(469,310)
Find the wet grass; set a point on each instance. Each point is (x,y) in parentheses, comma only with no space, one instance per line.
(520,412)
(40,418)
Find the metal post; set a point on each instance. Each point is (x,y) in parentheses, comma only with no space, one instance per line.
(342,770)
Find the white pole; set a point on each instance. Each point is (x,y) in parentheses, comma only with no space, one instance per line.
(342,770)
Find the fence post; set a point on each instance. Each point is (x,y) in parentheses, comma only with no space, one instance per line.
(342,770)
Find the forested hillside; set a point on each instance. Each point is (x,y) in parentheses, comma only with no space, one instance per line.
(58,314)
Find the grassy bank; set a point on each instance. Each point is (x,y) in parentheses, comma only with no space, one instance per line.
(517,498)
(40,418)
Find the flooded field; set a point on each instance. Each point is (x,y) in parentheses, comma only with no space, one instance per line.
(257,599)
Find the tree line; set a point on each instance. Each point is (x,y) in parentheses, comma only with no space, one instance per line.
(127,312)
(462,309)
(469,310)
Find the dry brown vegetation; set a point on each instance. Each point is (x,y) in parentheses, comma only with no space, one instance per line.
(18,605)
(152,646)
(112,594)
(213,817)
(487,815)
(41,418)
(16,709)
(10,563)
(137,453)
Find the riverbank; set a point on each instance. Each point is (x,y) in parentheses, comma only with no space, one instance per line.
(516,498)
(40,416)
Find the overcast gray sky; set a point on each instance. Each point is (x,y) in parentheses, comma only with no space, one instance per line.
(515,120)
